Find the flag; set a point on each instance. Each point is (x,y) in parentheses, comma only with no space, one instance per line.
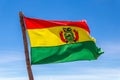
(60,41)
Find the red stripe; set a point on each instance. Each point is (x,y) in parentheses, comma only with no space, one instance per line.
(32,23)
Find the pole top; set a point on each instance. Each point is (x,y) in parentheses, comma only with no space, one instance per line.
(21,14)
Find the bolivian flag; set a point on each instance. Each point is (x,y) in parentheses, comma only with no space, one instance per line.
(60,41)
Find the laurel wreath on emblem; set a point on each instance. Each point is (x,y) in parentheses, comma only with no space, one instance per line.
(68,35)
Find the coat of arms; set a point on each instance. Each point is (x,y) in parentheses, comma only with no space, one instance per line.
(68,35)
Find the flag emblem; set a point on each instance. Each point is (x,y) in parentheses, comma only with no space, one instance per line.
(69,35)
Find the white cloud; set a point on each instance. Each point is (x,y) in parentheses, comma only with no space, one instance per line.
(15,78)
(111,47)
(98,74)
(10,56)
(79,77)
(91,74)
(70,77)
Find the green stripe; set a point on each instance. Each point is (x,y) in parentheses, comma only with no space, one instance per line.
(65,53)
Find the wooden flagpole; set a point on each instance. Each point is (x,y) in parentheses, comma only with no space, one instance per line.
(30,74)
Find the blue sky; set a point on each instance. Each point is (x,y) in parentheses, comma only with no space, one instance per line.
(103,18)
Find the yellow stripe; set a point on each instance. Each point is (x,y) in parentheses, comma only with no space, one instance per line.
(51,36)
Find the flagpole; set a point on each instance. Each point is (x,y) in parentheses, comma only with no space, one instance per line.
(30,74)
